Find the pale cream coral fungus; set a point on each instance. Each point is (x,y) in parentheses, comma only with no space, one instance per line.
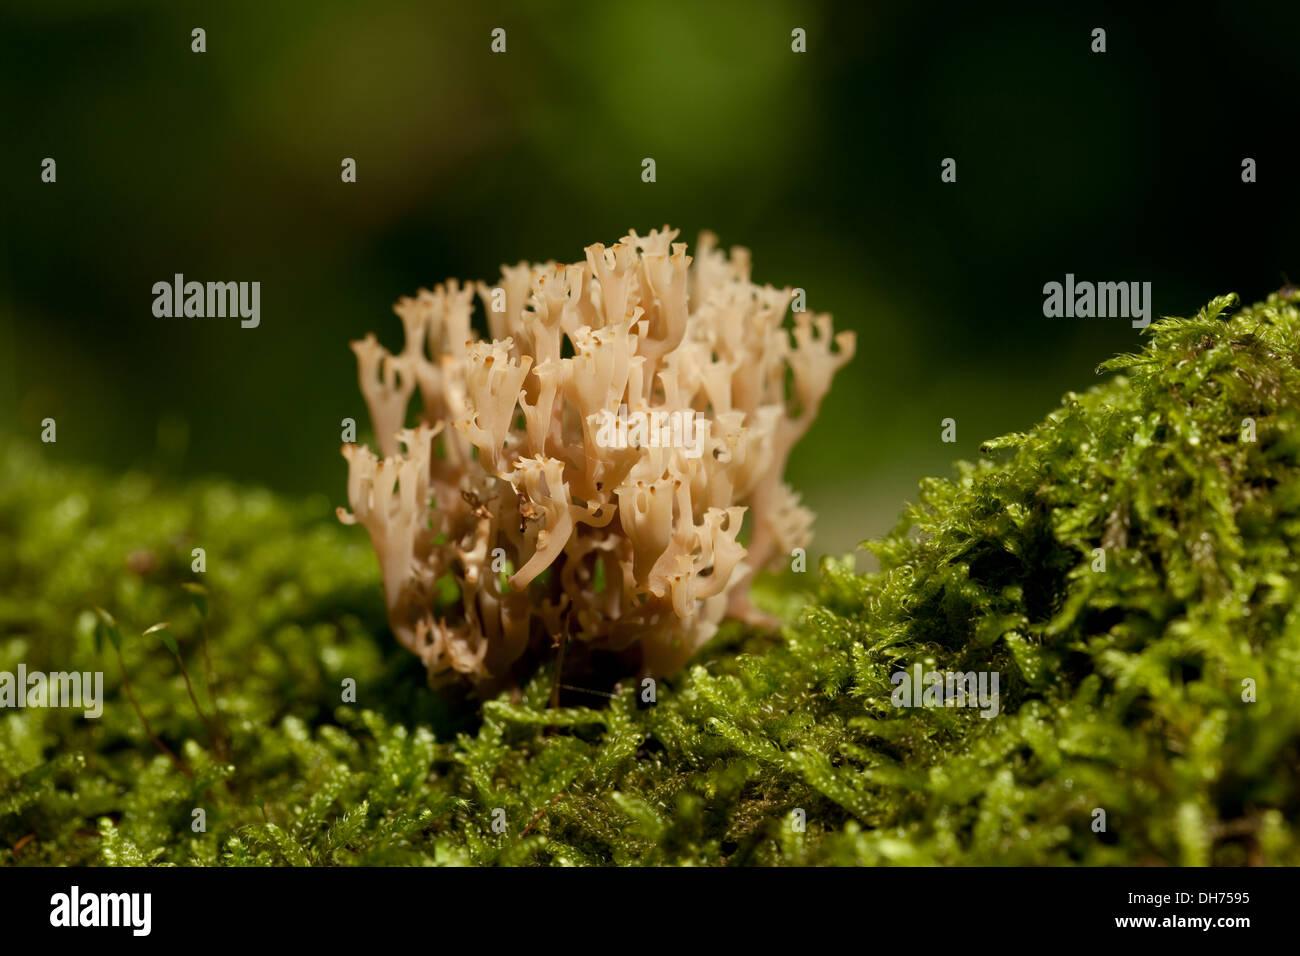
(510,488)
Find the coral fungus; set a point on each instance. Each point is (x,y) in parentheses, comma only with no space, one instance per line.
(517,486)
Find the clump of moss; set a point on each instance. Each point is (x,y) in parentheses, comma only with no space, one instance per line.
(1122,689)
(1130,567)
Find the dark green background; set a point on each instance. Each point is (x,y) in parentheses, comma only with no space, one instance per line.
(225,166)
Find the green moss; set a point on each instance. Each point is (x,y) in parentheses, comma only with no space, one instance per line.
(1121,689)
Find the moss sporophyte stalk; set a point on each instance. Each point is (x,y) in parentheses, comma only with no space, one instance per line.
(1127,567)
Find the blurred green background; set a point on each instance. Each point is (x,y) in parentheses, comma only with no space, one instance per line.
(225,166)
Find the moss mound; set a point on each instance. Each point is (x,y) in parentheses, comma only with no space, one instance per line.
(1125,687)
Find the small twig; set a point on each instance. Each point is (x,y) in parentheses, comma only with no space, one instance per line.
(1243,826)
(541,812)
(588,690)
(18,847)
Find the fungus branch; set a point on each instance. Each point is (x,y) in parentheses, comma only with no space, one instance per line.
(642,453)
